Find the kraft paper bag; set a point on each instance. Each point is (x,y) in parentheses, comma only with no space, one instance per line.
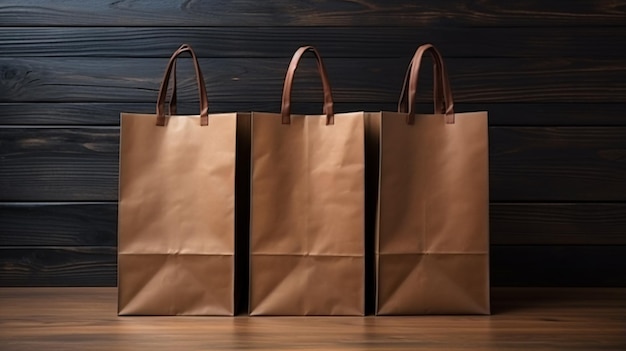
(178,218)
(307,209)
(432,230)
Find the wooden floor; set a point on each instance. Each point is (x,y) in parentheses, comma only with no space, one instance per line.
(524,319)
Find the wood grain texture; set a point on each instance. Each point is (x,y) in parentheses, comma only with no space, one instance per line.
(524,319)
(72,113)
(559,114)
(353,80)
(555,265)
(52,164)
(58,224)
(526,163)
(547,265)
(500,114)
(558,224)
(58,266)
(529,13)
(557,164)
(351,42)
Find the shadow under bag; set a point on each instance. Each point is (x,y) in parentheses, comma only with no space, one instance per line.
(432,209)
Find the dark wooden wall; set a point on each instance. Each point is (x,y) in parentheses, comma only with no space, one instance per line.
(552,74)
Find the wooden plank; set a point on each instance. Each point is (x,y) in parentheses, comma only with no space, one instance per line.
(354,80)
(547,114)
(58,266)
(536,319)
(95,224)
(138,80)
(500,114)
(558,223)
(558,265)
(527,164)
(58,164)
(510,266)
(254,42)
(557,164)
(530,13)
(72,113)
(58,224)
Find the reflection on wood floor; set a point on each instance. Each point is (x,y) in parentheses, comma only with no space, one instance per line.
(523,319)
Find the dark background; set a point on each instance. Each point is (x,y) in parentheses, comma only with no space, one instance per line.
(551,74)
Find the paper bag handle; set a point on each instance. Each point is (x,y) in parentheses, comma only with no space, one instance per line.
(172,107)
(441,85)
(328,96)
(204,103)
(173,100)
(439,104)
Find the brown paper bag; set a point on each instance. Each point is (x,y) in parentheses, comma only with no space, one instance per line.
(432,233)
(307,201)
(177,211)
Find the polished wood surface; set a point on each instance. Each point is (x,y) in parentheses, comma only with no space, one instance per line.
(524,319)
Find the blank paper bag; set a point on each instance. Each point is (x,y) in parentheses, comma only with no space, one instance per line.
(178,219)
(307,199)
